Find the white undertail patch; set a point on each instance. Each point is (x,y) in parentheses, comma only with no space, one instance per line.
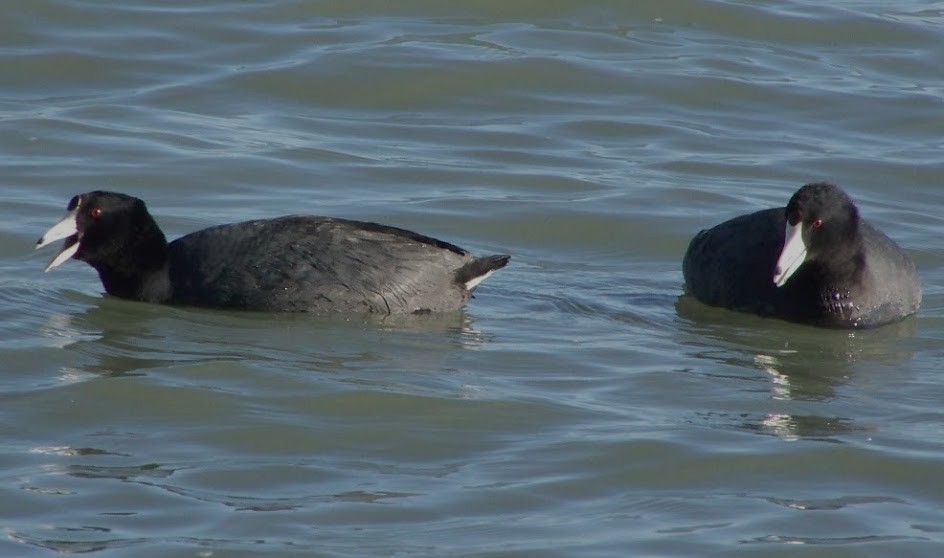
(473,282)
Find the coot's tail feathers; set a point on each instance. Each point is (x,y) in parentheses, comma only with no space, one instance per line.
(478,270)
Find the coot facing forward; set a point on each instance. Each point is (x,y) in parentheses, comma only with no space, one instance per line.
(816,262)
(286,264)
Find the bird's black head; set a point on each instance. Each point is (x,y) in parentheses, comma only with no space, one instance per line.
(114,233)
(823,227)
(828,218)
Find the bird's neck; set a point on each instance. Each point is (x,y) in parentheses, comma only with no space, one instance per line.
(141,271)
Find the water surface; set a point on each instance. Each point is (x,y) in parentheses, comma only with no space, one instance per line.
(579,406)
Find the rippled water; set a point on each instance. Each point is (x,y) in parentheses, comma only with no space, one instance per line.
(579,406)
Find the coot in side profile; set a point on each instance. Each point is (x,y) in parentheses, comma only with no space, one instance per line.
(286,264)
(813,262)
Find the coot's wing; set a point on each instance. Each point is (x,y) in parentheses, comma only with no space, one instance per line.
(732,264)
(893,289)
(316,264)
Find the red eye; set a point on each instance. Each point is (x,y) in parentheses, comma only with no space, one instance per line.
(817,223)
(95,212)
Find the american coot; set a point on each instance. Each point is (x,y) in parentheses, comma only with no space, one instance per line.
(286,264)
(833,270)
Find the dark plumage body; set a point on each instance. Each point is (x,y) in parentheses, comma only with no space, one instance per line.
(285,264)
(853,276)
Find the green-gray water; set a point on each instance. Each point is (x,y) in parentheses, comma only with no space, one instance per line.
(578,407)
